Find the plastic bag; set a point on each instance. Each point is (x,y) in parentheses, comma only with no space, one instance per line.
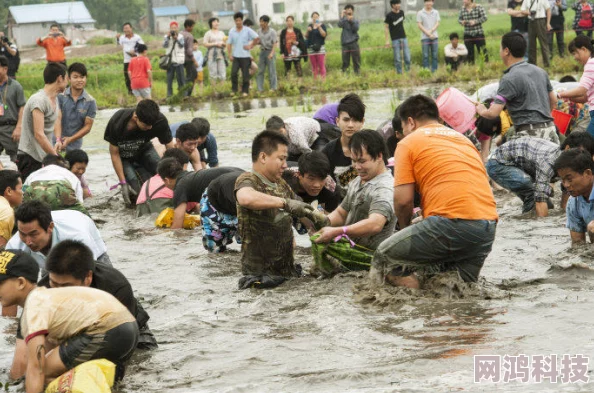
(165,219)
(95,376)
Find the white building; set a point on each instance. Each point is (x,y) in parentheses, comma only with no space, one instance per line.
(301,10)
(28,22)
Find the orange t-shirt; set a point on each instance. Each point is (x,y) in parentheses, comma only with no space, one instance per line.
(54,48)
(448,173)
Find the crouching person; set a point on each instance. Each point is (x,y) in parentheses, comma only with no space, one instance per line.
(366,215)
(58,326)
(458,206)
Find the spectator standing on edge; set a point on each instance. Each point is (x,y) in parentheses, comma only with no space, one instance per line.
(128,41)
(472,16)
(349,39)
(455,53)
(291,37)
(428,21)
(10,51)
(190,63)
(77,111)
(268,43)
(11,110)
(141,74)
(557,25)
(539,24)
(316,38)
(519,21)
(241,40)
(583,17)
(174,44)
(396,36)
(39,116)
(54,44)
(214,40)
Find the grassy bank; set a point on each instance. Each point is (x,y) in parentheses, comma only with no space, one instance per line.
(106,84)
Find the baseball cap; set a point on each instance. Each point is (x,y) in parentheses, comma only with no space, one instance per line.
(15,263)
(173,23)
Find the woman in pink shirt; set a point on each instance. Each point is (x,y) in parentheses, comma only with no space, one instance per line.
(582,49)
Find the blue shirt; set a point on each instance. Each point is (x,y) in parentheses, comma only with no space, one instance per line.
(239,39)
(74,114)
(580,212)
(207,150)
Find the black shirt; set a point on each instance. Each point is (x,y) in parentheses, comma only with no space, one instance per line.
(395,22)
(518,24)
(221,192)
(133,143)
(341,168)
(191,185)
(327,199)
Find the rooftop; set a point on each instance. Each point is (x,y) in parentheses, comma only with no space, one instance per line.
(70,12)
(171,11)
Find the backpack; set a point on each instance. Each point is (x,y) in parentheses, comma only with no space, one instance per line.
(586,16)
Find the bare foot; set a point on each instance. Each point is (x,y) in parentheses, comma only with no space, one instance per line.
(409,281)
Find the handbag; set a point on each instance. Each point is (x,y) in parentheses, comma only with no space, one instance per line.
(165,60)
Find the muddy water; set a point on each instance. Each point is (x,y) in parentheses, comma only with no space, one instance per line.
(339,334)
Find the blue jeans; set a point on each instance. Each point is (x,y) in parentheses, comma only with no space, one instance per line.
(263,63)
(139,169)
(590,128)
(515,180)
(437,244)
(175,70)
(430,47)
(397,45)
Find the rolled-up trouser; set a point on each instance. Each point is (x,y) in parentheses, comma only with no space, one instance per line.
(515,180)
(437,244)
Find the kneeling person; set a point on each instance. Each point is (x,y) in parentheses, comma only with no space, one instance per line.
(62,317)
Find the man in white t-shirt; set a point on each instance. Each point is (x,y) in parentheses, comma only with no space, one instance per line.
(55,169)
(128,42)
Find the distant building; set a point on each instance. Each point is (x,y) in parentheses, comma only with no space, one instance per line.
(301,10)
(28,22)
(165,15)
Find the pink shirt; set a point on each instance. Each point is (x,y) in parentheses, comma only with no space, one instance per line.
(587,81)
(155,183)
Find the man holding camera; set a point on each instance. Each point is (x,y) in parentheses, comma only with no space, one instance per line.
(174,44)
(54,44)
(539,24)
(11,110)
(9,50)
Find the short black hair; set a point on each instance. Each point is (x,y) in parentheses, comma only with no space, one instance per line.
(392,2)
(55,159)
(314,163)
(396,122)
(353,105)
(8,179)
(372,141)
(238,15)
(54,25)
(265,18)
(189,23)
(147,112)
(76,155)
(77,67)
(34,210)
(70,257)
(140,48)
(196,41)
(169,168)
(579,139)
(419,107)
(3,61)
(290,17)
(454,35)
(349,7)
(485,126)
(187,131)
(202,125)
(575,159)
(178,154)
(312,14)
(267,142)
(515,43)
(567,78)
(248,22)
(275,123)
(127,23)
(52,71)
(212,20)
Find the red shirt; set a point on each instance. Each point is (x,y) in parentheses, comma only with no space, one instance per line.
(139,68)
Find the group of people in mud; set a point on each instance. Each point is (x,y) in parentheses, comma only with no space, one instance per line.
(407,201)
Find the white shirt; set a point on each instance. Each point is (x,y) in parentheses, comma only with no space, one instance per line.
(128,45)
(540,6)
(302,132)
(460,50)
(56,172)
(68,225)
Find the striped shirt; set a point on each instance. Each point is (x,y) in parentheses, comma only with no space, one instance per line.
(534,156)
(477,15)
(587,81)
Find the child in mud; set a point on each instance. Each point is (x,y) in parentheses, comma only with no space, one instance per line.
(78,161)
(459,209)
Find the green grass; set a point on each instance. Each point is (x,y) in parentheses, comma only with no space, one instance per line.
(106,83)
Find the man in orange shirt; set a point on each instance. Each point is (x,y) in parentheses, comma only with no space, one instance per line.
(54,44)
(459,209)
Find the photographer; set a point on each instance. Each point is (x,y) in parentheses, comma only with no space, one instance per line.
(10,51)
(54,44)
(539,24)
(174,44)
(13,103)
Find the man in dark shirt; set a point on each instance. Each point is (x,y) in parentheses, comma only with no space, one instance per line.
(396,36)
(519,21)
(186,186)
(311,182)
(129,133)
